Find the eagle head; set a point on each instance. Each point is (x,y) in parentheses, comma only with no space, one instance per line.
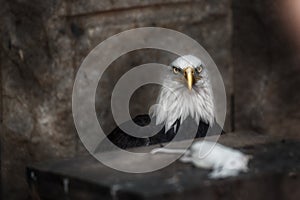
(186,91)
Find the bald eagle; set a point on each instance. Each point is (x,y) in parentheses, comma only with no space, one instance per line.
(186,96)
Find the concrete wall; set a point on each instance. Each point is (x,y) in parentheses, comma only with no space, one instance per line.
(266,70)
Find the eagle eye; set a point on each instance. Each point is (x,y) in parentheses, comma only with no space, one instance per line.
(175,70)
(199,69)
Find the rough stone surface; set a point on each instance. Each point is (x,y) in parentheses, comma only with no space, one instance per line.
(266,70)
(43,44)
(273,174)
(37,77)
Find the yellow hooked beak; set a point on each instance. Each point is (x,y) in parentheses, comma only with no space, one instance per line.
(189,76)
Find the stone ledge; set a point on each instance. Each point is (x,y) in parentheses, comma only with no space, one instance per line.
(78,8)
(276,165)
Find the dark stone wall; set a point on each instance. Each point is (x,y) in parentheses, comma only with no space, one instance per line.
(37,76)
(266,70)
(42,46)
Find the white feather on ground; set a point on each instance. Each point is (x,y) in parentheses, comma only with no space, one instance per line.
(223,161)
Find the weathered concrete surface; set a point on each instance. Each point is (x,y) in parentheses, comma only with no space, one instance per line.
(43,44)
(37,77)
(273,174)
(266,70)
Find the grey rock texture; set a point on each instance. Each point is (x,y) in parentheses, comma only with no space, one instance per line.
(266,70)
(42,46)
(275,165)
(37,76)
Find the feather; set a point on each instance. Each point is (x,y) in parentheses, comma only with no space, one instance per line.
(177,101)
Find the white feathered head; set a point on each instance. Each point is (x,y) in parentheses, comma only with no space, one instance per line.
(186,92)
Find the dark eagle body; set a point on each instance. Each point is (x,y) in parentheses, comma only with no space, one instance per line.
(124,140)
(185,109)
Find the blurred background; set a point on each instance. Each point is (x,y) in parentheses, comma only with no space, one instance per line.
(255,44)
